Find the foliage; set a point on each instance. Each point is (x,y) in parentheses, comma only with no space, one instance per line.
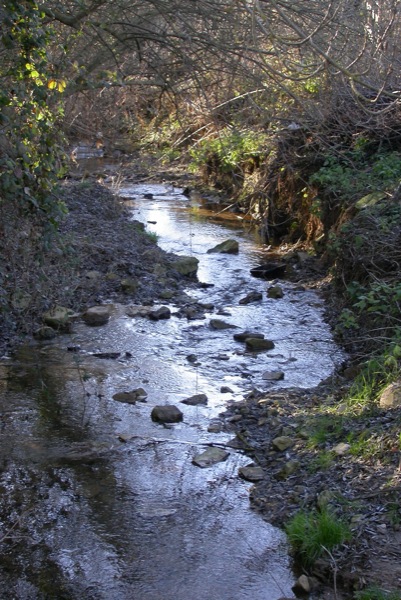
(376,593)
(378,372)
(349,174)
(30,150)
(230,150)
(313,533)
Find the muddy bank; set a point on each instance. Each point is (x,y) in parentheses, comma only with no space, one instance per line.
(100,254)
(317,466)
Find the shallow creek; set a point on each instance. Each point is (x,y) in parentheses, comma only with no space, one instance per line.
(101,518)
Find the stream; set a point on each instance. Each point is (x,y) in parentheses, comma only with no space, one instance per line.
(106,504)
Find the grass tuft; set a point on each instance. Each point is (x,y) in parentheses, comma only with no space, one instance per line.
(311,534)
(375,593)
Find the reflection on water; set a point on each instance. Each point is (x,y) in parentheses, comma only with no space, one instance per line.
(108,519)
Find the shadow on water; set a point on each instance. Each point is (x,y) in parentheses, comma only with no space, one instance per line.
(98,501)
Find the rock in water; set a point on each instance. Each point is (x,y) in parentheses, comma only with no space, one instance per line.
(210,457)
(257,344)
(167,413)
(160,313)
(230,246)
(195,400)
(97,315)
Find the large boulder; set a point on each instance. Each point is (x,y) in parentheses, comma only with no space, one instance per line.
(230,246)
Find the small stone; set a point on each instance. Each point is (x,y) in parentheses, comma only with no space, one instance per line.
(219,324)
(225,389)
(45,333)
(251,473)
(166,294)
(195,400)
(230,246)
(290,467)
(341,449)
(210,457)
(59,318)
(251,297)
(391,396)
(137,311)
(282,443)
(186,265)
(129,285)
(166,413)
(275,291)
(302,585)
(192,358)
(97,315)
(161,313)
(215,427)
(125,437)
(126,397)
(273,375)
(258,344)
(107,355)
(242,337)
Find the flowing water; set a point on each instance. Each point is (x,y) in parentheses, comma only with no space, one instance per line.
(106,504)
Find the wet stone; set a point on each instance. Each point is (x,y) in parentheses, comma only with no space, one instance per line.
(244,335)
(226,390)
(138,311)
(215,427)
(275,291)
(219,324)
(58,317)
(273,375)
(167,413)
(195,400)
(251,297)
(109,355)
(161,313)
(251,473)
(230,246)
(45,333)
(257,344)
(210,457)
(126,397)
(186,265)
(282,443)
(97,315)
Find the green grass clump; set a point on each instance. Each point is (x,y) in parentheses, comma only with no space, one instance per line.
(313,533)
(375,593)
